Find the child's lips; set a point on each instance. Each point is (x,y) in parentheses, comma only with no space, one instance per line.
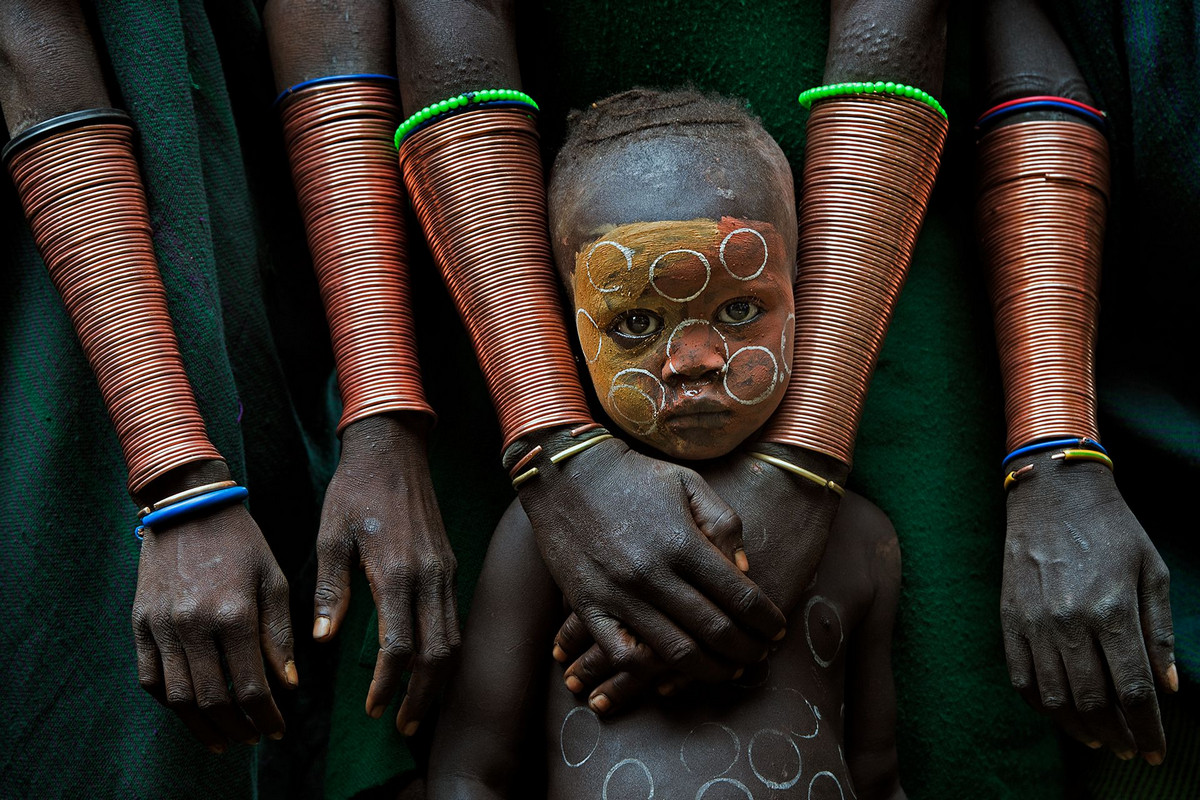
(700,412)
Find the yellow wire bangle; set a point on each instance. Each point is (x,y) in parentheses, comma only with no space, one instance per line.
(801,471)
(561,456)
(184,495)
(1084,455)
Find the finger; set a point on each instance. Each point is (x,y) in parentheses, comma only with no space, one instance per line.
(730,591)
(396,647)
(1121,640)
(1052,695)
(1099,720)
(625,651)
(207,674)
(573,638)
(177,688)
(243,658)
(1154,607)
(675,648)
(716,519)
(149,660)
(275,628)
(331,601)
(714,629)
(587,671)
(618,691)
(1020,663)
(433,658)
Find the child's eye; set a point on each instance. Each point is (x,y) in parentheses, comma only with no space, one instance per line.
(638,324)
(738,311)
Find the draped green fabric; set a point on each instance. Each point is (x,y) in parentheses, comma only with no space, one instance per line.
(197,82)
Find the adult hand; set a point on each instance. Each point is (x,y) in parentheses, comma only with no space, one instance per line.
(211,603)
(381,514)
(771,503)
(647,546)
(1085,608)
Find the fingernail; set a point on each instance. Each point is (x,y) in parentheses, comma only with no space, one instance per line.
(1153,759)
(739,558)
(216,748)
(289,672)
(740,672)
(251,741)
(574,685)
(560,655)
(600,703)
(277,735)
(321,628)
(1095,745)
(666,689)
(411,728)
(780,635)
(1125,755)
(1172,679)
(764,656)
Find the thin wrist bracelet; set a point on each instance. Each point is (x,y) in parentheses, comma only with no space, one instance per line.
(467,101)
(521,475)
(184,495)
(1065,456)
(1043,103)
(800,471)
(1081,443)
(356,76)
(208,501)
(809,96)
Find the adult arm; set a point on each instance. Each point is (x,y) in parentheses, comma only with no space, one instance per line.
(380,513)
(209,590)
(1085,605)
(626,537)
(499,687)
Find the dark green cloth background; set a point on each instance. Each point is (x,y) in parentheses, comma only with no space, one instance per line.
(197,83)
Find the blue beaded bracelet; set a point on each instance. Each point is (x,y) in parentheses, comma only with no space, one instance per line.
(1037,447)
(212,500)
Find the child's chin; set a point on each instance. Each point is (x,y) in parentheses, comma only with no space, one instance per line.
(681,450)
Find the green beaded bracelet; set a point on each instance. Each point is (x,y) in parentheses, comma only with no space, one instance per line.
(458,102)
(866,87)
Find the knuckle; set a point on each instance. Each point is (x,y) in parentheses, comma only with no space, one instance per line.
(1091,701)
(179,697)
(331,548)
(186,616)
(433,569)
(682,653)
(397,644)
(252,692)
(211,700)
(436,655)
(397,575)
(1054,702)
(1065,618)
(233,616)
(150,683)
(1136,694)
(718,629)
(327,594)
(747,600)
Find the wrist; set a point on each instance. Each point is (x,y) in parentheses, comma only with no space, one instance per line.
(182,478)
(821,464)
(403,433)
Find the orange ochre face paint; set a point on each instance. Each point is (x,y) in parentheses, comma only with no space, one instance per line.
(687,329)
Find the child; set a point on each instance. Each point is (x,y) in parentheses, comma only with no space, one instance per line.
(674,227)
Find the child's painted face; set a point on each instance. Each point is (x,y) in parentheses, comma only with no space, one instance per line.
(687,329)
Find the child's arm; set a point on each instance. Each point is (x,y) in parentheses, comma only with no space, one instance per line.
(870,726)
(499,685)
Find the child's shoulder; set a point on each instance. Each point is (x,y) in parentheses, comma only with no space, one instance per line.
(861,530)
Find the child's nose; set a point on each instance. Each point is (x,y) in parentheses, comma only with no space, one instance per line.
(694,352)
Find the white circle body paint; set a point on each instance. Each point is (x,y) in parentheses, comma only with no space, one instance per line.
(723,781)
(734,739)
(694,295)
(562,735)
(627,762)
(770,784)
(787,334)
(587,264)
(599,339)
(774,375)
(830,776)
(687,323)
(813,601)
(761,267)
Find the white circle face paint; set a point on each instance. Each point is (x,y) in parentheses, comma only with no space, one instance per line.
(825,795)
(630,763)
(587,264)
(703,790)
(687,323)
(729,367)
(582,730)
(786,339)
(586,331)
(654,277)
(709,744)
(796,706)
(634,383)
(761,266)
(764,735)
(814,601)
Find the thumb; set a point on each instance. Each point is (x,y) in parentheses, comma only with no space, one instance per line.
(331,600)
(716,519)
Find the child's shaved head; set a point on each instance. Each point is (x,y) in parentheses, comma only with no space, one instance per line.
(646,155)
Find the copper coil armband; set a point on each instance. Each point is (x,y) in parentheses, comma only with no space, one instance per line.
(81,190)
(870,161)
(475,179)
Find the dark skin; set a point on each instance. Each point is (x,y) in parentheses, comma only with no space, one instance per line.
(506,689)
(380,511)
(208,587)
(613,579)
(1085,604)
(867,38)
